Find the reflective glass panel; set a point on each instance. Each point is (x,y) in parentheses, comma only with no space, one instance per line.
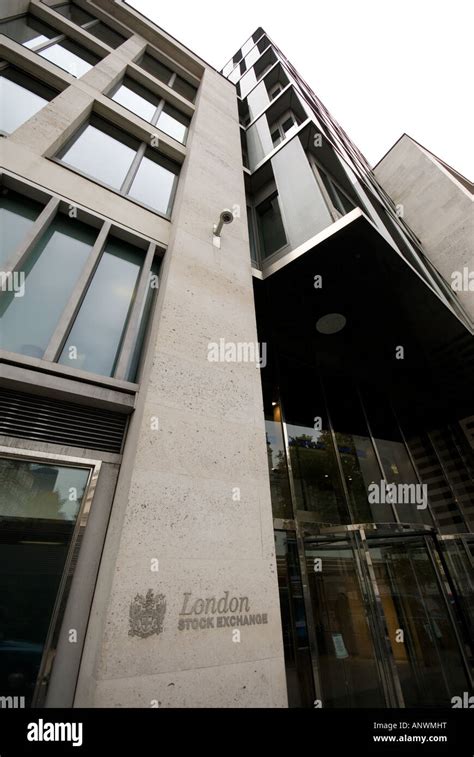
(270,226)
(51,271)
(95,338)
(39,505)
(27,30)
(137,99)
(74,13)
(276,456)
(70,57)
(398,469)
(17,103)
(356,452)
(347,662)
(184,89)
(428,662)
(100,154)
(153,185)
(298,666)
(106,34)
(172,122)
(155,68)
(17,216)
(144,320)
(459,556)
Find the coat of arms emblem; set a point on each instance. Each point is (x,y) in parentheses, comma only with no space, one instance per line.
(147,614)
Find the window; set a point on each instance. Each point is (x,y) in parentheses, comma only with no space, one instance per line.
(283,128)
(86,297)
(139,100)
(270,226)
(106,34)
(156,69)
(167,76)
(74,13)
(20,98)
(38,522)
(63,52)
(95,338)
(184,89)
(152,108)
(155,182)
(51,271)
(275,90)
(28,31)
(107,154)
(145,313)
(73,58)
(17,216)
(102,152)
(339,200)
(173,123)
(100,30)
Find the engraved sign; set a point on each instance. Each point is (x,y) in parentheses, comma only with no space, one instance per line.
(147,614)
(212,612)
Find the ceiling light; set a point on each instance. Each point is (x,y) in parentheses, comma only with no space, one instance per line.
(331,323)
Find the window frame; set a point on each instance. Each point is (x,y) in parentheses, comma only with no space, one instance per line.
(58,39)
(83,540)
(161,105)
(278,126)
(174,76)
(269,193)
(272,93)
(319,169)
(141,150)
(151,250)
(35,86)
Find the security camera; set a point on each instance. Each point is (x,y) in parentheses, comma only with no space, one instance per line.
(225,217)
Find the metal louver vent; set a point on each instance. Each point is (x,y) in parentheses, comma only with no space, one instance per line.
(31,416)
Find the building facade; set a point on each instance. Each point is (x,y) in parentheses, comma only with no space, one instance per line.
(236,457)
(438,205)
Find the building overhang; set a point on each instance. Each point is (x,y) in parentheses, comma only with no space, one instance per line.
(386,306)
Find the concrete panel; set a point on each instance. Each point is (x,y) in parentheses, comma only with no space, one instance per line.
(258,100)
(193,492)
(259,142)
(247,82)
(251,684)
(13,8)
(302,205)
(437,207)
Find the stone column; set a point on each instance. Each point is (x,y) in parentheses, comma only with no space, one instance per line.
(192,512)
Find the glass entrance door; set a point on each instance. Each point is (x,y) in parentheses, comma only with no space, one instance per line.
(422,636)
(347,648)
(40,506)
(383,628)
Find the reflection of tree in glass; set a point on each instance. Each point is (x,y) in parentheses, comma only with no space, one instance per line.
(316,477)
(279,486)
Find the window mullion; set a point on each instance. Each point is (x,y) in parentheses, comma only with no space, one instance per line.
(131,173)
(37,230)
(43,45)
(72,308)
(329,203)
(133,325)
(158,112)
(172,80)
